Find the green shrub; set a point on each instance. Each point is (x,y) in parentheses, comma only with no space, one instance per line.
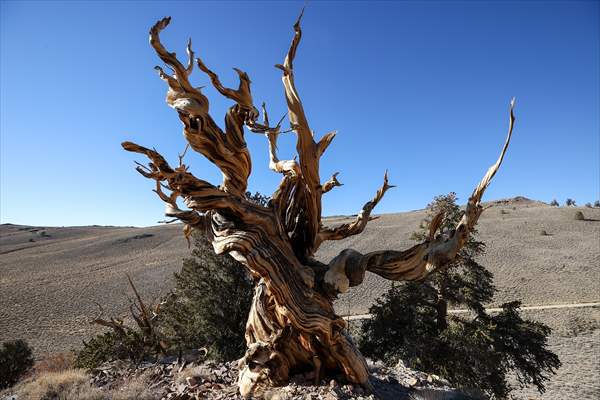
(579,216)
(475,351)
(210,304)
(15,359)
(208,309)
(211,301)
(570,202)
(110,346)
(554,203)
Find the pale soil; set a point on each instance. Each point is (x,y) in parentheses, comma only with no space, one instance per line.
(49,287)
(563,267)
(576,341)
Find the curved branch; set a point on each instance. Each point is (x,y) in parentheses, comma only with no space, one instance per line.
(227,150)
(182,94)
(348,268)
(190,53)
(191,220)
(331,183)
(201,194)
(309,193)
(189,217)
(358,225)
(324,142)
(242,95)
(485,182)
(306,145)
(287,166)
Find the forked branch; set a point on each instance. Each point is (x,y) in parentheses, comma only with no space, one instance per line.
(227,150)
(242,95)
(309,197)
(286,166)
(358,225)
(201,195)
(182,95)
(331,183)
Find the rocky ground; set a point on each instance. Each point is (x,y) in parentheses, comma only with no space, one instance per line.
(52,278)
(190,378)
(207,380)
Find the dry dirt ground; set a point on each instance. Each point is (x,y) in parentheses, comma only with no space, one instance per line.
(51,278)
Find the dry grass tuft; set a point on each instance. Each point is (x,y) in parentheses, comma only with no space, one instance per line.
(70,384)
(56,362)
(138,388)
(74,384)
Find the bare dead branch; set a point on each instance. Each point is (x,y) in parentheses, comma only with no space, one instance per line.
(331,183)
(190,53)
(434,225)
(242,95)
(324,142)
(358,225)
(485,182)
(201,194)
(181,73)
(187,146)
(167,221)
(226,151)
(348,268)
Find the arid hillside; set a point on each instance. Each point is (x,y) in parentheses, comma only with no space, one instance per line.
(51,278)
(560,266)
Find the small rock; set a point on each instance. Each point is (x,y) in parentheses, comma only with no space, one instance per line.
(412,382)
(191,381)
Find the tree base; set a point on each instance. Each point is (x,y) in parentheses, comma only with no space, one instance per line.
(277,350)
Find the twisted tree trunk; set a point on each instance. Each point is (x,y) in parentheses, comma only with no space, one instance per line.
(292,324)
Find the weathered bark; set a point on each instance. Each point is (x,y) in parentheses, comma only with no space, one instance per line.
(292,324)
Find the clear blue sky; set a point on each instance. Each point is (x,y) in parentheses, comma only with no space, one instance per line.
(419,88)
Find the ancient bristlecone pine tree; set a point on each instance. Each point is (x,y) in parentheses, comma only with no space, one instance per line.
(292,325)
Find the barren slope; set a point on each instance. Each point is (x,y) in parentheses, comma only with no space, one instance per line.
(49,286)
(563,267)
